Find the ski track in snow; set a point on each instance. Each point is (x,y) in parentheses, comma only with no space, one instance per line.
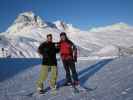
(106,80)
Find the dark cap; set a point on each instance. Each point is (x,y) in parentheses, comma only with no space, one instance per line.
(62,33)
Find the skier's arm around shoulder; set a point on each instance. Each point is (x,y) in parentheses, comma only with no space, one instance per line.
(57,47)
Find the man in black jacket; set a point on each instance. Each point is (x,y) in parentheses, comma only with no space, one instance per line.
(48,50)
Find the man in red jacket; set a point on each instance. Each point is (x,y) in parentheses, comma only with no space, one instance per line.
(68,52)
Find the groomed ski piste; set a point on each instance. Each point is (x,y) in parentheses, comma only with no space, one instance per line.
(105,79)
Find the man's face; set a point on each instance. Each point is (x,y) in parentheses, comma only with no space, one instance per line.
(49,38)
(63,37)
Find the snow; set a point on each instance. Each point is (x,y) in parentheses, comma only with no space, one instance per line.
(108,79)
(115,27)
(91,58)
(26,19)
(65,27)
(100,65)
(108,51)
(29,30)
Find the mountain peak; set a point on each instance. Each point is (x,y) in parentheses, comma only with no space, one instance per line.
(61,25)
(29,18)
(116,26)
(28,13)
(26,19)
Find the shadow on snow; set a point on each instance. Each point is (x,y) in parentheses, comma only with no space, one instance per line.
(86,73)
(12,66)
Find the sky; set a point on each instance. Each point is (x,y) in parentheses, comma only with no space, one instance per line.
(83,14)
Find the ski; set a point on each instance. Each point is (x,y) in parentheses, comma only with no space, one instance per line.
(35,93)
(77,90)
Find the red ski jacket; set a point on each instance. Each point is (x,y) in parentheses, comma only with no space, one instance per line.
(68,50)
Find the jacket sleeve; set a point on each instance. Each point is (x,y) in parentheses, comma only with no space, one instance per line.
(40,49)
(75,53)
(74,48)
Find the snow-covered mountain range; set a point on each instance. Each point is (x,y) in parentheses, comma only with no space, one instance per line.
(23,37)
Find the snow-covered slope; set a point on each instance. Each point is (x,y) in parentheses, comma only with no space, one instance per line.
(23,37)
(65,27)
(26,33)
(109,79)
(118,34)
(25,19)
(108,51)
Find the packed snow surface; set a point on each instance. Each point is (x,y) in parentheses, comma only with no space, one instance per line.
(107,79)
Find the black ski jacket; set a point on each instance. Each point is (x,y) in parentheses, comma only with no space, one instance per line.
(48,50)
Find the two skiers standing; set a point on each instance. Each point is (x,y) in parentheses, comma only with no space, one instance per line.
(68,53)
